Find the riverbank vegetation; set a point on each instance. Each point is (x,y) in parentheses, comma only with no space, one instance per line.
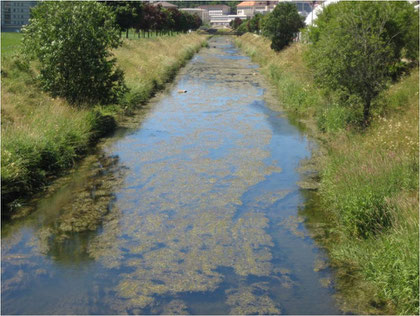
(147,18)
(43,135)
(368,176)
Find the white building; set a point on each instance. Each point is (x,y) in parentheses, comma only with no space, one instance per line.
(224,20)
(216,9)
(203,14)
(250,8)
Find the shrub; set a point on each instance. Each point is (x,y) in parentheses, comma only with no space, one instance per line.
(72,41)
(357,47)
(282,24)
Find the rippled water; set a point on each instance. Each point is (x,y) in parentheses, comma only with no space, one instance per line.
(192,208)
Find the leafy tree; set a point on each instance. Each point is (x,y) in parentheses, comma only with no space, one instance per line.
(178,19)
(254,25)
(357,45)
(72,42)
(235,23)
(149,17)
(243,28)
(197,22)
(138,16)
(125,12)
(282,24)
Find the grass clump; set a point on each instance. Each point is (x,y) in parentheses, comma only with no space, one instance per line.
(369,180)
(43,136)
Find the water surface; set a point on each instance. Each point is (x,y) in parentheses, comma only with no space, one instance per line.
(192,208)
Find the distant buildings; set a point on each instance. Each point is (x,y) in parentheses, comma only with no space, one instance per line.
(15,14)
(203,14)
(216,9)
(250,8)
(224,20)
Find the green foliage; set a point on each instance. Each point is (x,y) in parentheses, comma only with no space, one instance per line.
(282,24)
(243,28)
(369,181)
(235,23)
(357,47)
(72,42)
(146,17)
(254,25)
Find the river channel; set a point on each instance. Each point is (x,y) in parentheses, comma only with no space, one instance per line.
(192,207)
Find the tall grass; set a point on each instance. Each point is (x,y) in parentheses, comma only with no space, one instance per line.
(149,63)
(295,87)
(42,136)
(369,182)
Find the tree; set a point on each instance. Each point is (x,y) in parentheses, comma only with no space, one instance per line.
(125,12)
(282,24)
(72,42)
(235,23)
(242,28)
(357,45)
(254,25)
(138,16)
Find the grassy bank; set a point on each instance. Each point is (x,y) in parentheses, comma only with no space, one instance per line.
(369,182)
(42,136)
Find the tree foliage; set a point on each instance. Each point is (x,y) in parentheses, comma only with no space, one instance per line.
(235,23)
(72,42)
(254,25)
(242,28)
(356,47)
(282,24)
(146,17)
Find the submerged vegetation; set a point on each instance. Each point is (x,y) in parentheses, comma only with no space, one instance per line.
(42,136)
(369,180)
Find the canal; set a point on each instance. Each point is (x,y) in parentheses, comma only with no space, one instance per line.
(192,207)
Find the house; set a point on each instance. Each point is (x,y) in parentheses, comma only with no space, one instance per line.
(15,14)
(250,8)
(246,8)
(164,4)
(203,14)
(216,9)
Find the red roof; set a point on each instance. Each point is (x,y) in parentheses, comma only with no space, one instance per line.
(246,4)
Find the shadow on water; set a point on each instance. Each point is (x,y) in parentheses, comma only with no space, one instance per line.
(192,207)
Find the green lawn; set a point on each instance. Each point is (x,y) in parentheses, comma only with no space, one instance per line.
(10,42)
